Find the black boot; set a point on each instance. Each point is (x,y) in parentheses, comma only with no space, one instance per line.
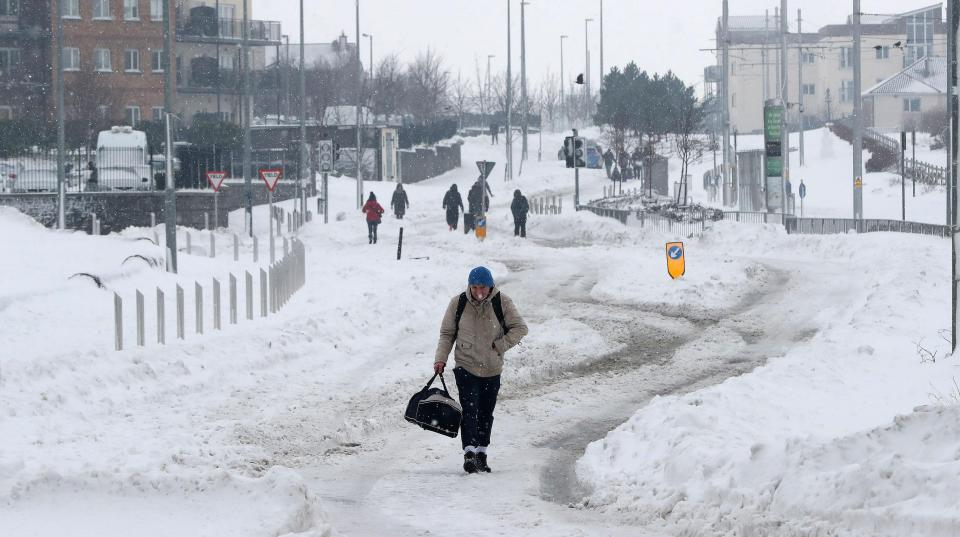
(470,463)
(482,462)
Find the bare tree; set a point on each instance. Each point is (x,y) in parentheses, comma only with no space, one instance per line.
(429,85)
(548,99)
(481,96)
(390,84)
(688,141)
(460,97)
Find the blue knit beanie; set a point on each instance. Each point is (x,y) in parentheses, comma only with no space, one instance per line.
(480,276)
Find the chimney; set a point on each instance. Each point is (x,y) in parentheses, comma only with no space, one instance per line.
(342,42)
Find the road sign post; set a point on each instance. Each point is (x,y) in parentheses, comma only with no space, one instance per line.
(326,157)
(803,194)
(216,181)
(271,178)
(773,145)
(480,224)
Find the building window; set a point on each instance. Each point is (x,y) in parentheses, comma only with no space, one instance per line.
(228,62)
(9,58)
(9,7)
(104,111)
(920,34)
(846,57)
(6,112)
(809,89)
(133,115)
(131,10)
(71,59)
(156,60)
(846,91)
(911,105)
(101,9)
(883,53)
(101,60)
(131,62)
(157,113)
(71,9)
(156,10)
(808,57)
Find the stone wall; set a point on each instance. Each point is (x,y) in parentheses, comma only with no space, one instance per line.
(423,163)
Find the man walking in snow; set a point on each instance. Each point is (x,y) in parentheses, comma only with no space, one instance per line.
(608,161)
(519,207)
(484,325)
(453,204)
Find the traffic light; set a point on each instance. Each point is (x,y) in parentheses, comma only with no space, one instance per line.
(568,150)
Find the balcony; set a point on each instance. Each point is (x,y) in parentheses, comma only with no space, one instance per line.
(203,27)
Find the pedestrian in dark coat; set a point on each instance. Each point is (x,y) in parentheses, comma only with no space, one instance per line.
(608,161)
(494,133)
(374,212)
(453,204)
(399,202)
(482,338)
(519,207)
(616,174)
(473,204)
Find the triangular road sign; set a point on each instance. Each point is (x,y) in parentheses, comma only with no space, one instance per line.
(485,167)
(216,179)
(271,177)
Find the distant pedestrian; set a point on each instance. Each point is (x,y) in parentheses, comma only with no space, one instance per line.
(374,213)
(636,159)
(453,204)
(608,161)
(494,134)
(624,161)
(399,202)
(519,207)
(475,197)
(616,174)
(480,326)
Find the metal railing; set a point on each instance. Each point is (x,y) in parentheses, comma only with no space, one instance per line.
(825,226)
(754,217)
(665,224)
(121,169)
(926,173)
(208,29)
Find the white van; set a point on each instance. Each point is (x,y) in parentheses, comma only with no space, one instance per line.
(123,161)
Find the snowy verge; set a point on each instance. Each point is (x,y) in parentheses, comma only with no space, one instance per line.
(823,437)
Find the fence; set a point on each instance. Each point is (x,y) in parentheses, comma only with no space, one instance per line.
(276,286)
(824,226)
(546,205)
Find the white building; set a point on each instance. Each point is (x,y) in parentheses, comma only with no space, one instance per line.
(901,101)
(888,44)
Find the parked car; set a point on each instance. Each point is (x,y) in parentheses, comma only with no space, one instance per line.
(594,156)
(37,180)
(9,171)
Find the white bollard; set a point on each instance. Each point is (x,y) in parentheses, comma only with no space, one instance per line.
(189,246)
(256,249)
(213,244)
(236,247)
(198,300)
(140,329)
(117,322)
(216,304)
(179,312)
(161,321)
(233,299)
(249,284)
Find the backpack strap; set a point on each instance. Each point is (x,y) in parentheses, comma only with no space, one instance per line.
(498,310)
(461,305)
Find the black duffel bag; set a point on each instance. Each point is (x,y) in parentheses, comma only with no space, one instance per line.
(434,410)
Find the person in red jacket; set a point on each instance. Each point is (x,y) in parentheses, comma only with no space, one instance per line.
(374,211)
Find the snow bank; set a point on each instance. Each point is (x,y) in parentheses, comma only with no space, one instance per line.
(823,437)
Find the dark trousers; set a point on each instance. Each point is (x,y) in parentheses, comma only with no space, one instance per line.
(468,223)
(520,226)
(478,397)
(372,231)
(452,218)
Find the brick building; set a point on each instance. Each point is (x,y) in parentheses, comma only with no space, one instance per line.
(24,58)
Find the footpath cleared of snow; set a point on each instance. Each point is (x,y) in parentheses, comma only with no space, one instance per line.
(291,424)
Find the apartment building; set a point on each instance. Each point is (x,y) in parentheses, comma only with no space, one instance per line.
(209,34)
(888,45)
(24,58)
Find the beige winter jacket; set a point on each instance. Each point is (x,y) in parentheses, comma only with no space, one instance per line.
(481,343)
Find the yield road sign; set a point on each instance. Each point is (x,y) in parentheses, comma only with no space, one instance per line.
(215,179)
(271,177)
(485,167)
(325,156)
(676,266)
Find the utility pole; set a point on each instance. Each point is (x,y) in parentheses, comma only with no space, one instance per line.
(800,82)
(486,91)
(777,19)
(601,45)
(359,74)
(170,188)
(953,16)
(857,120)
(586,74)
(764,55)
(370,36)
(523,81)
(563,82)
(61,121)
(303,113)
(785,96)
(508,169)
(245,114)
(725,92)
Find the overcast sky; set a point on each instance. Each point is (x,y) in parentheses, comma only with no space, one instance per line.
(659,35)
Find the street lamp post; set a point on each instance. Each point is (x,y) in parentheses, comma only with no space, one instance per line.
(508,170)
(371,54)
(486,89)
(586,73)
(359,74)
(563,82)
(601,43)
(523,81)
